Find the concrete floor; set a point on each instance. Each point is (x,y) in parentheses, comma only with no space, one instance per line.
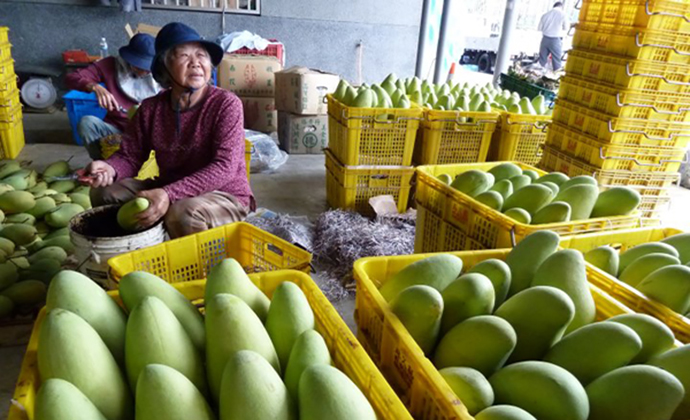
(297,188)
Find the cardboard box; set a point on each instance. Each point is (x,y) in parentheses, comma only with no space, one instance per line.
(249,75)
(142,28)
(301,90)
(260,114)
(302,134)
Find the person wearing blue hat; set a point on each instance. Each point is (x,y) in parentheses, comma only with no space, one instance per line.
(120,84)
(197,133)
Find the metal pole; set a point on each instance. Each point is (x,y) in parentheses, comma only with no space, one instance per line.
(441,48)
(503,54)
(421,43)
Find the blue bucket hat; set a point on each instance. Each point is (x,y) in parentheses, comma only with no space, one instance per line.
(174,34)
(139,52)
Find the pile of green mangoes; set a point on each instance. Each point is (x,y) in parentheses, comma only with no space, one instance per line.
(657,269)
(247,357)
(35,210)
(518,339)
(552,198)
(449,96)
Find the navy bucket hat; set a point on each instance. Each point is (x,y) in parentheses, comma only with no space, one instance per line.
(174,34)
(139,52)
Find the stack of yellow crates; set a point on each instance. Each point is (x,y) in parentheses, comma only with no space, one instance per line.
(623,108)
(370,154)
(11,127)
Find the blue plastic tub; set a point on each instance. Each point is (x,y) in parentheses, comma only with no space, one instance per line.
(80,104)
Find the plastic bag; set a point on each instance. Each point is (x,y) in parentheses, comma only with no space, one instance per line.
(266,156)
(685,171)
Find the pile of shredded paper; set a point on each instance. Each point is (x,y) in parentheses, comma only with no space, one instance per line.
(338,239)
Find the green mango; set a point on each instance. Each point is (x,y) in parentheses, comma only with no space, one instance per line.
(9,167)
(127,214)
(533,175)
(470,386)
(566,270)
(41,186)
(539,315)
(676,362)
(471,295)
(62,214)
(491,199)
(20,234)
(498,272)
(637,270)
(16,202)
(616,201)
(581,199)
(631,254)
(42,207)
(24,218)
(350,96)
(670,286)
(327,393)
(531,198)
(63,186)
(519,215)
(420,309)
(517,385)
(341,90)
(555,212)
(310,349)
(557,178)
(520,182)
(656,337)
(526,257)
(604,258)
(681,242)
(365,99)
(18,182)
(504,187)
(637,392)
(473,182)
(504,412)
(595,350)
(437,271)
(493,339)
(403,102)
(59,168)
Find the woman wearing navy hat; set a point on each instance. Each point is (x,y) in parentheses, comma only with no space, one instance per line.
(128,81)
(197,132)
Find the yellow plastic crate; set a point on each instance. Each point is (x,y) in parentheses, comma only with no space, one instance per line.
(521,137)
(647,183)
(191,257)
(614,157)
(8,104)
(621,131)
(435,234)
(372,136)
(247,156)
(619,103)
(400,359)
(626,73)
(346,352)
(489,228)
(624,293)
(636,43)
(8,84)
(455,137)
(11,133)
(4,38)
(665,15)
(6,67)
(351,187)
(652,207)
(5,50)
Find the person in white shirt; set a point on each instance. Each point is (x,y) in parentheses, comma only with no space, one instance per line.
(553,25)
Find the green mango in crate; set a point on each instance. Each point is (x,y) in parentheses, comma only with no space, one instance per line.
(518,384)
(634,393)
(470,386)
(159,392)
(251,388)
